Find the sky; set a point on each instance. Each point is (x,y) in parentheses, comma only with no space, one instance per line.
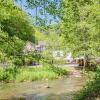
(50,19)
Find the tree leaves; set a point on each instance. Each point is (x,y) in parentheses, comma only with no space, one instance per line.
(16,27)
(81,23)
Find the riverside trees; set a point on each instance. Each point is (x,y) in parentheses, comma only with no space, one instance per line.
(15,28)
(79,22)
(81,25)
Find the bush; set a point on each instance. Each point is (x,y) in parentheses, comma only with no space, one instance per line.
(18,62)
(59,70)
(8,74)
(91,90)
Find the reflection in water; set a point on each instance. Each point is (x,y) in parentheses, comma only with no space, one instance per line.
(61,89)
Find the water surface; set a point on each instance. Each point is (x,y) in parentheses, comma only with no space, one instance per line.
(60,89)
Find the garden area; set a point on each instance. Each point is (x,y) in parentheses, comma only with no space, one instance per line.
(49,49)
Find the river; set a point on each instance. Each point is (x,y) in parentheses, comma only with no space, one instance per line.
(59,89)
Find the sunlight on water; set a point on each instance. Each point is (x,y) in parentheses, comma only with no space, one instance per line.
(60,89)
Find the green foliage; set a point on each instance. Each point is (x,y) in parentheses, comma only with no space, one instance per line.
(54,41)
(16,22)
(9,74)
(92,90)
(59,70)
(60,61)
(81,26)
(18,62)
(15,28)
(47,72)
(31,74)
(43,8)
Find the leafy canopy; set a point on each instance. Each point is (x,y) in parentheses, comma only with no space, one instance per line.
(15,27)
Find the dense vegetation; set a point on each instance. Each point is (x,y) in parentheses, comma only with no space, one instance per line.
(16,29)
(78,30)
(92,90)
(14,74)
(81,27)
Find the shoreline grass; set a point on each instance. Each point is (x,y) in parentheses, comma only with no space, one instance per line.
(23,74)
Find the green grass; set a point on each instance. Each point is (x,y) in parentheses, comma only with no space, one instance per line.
(31,74)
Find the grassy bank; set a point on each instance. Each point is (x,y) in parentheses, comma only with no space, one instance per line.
(92,90)
(15,74)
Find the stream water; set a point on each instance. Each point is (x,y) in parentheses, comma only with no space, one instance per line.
(59,89)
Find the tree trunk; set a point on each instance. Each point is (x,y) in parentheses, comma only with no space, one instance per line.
(86,60)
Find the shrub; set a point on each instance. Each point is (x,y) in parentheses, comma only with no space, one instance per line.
(18,62)
(8,74)
(91,90)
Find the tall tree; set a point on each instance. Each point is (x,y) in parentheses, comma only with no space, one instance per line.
(15,26)
(81,26)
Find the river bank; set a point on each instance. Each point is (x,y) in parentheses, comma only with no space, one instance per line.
(59,89)
(25,74)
